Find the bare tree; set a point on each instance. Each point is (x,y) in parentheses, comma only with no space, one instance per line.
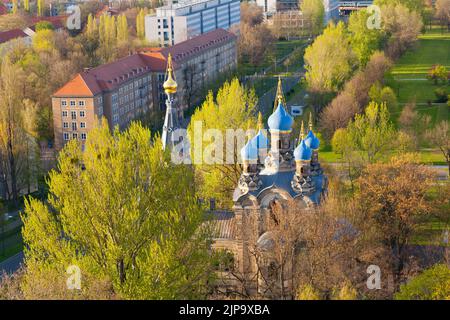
(440,137)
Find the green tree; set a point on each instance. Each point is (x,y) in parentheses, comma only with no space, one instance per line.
(26,5)
(364,41)
(329,60)
(372,132)
(122,29)
(123,212)
(307,292)
(413,5)
(44,25)
(367,138)
(11,127)
(383,95)
(314,13)
(14,9)
(44,41)
(218,169)
(40,7)
(140,24)
(91,27)
(431,284)
(438,72)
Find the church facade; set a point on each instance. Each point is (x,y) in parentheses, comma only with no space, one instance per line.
(276,168)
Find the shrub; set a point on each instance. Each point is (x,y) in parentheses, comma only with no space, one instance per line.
(441,95)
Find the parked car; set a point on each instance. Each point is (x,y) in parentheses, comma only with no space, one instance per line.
(296,111)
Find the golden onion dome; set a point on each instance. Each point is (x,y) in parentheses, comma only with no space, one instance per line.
(170,85)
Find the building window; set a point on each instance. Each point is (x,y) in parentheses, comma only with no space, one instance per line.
(82,124)
(63,103)
(65,125)
(75,136)
(66,136)
(64,113)
(74,115)
(72,103)
(82,114)
(81,103)
(74,126)
(83,136)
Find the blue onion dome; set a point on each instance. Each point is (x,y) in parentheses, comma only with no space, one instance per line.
(302,152)
(261,141)
(312,141)
(280,120)
(250,151)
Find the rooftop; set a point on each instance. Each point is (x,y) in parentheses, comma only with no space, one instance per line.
(109,76)
(11,34)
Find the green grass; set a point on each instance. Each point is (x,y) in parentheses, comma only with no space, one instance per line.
(280,50)
(11,242)
(432,48)
(429,157)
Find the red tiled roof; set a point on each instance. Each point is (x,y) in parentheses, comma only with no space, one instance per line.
(185,49)
(3,9)
(58,22)
(11,34)
(108,76)
(105,77)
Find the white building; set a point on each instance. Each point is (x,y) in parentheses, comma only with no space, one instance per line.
(186,19)
(270,7)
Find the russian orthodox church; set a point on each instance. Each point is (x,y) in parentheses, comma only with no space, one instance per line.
(276,168)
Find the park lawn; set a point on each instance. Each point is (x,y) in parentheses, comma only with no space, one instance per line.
(429,157)
(437,112)
(430,232)
(408,76)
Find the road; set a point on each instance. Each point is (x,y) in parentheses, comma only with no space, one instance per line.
(12,264)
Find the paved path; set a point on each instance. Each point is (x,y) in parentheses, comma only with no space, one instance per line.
(12,264)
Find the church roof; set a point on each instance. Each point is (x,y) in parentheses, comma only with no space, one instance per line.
(302,152)
(312,141)
(224,225)
(280,120)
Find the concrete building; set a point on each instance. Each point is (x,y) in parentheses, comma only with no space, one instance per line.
(130,87)
(196,63)
(184,20)
(120,91)
(271,7)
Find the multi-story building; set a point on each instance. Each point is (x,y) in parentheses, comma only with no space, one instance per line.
(120,91)
(196,62)
(271,7)
(186,19)
(130,87)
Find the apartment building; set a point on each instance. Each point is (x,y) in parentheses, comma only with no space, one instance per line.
(196,62)
(120,91)
(271,7)
(186,19)
(128,88)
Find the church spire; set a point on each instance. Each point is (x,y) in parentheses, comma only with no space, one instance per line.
(171,122)
(302,132)
(279,96)
(170,85)
(260,121)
